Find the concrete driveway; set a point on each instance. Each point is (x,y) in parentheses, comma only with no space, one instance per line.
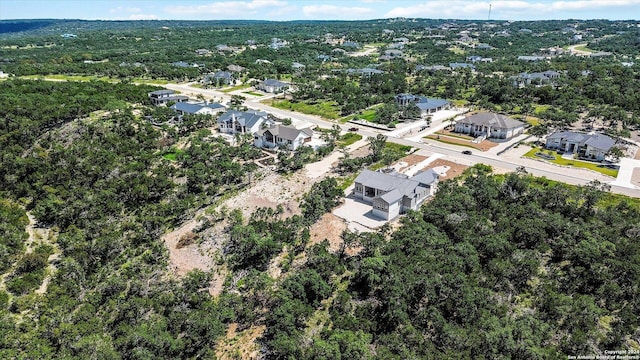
(356,211)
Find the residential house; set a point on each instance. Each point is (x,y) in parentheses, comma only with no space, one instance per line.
(277,43)
(203,108)
(590,146)
(218,78)
(539,78)
(392,194)
(162,97)
(203,52)
(489,125)
(243,122)
(365,71)
(273,86)
(462,66)
(393,54)
(426,105)
(475,58)
(351,44)
(282,136)
(235,68)
(531,58)
(297,66)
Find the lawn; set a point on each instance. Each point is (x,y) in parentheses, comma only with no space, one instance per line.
(453,141)
(349,138)
(326,109)
(368,114)
(583,48)
(63,77)
(571,162)
(253,93)
(537,109)
(234,88)
(172,154)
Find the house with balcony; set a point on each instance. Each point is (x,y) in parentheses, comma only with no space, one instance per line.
(273,86)
(426,105)
(243,122)
(162,97)
(589,146)
(489,125)
(392,194)
(202,108)
(283,136)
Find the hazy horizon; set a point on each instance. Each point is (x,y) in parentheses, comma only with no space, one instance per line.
(291,10)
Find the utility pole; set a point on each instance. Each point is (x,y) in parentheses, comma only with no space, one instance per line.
(489,18)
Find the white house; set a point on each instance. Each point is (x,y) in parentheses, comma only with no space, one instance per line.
(590,146)
(272,86)
(243,122)
(491,125)
(187,108)
(424,104)
(162,97)
(393,194)
(282,136)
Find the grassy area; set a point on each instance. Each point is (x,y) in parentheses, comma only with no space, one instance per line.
(346,181)
(150,81)
(62,77)
(464,137)
(349,138)
(368,114)
(456,50)
(253,93)
(559,160)
(537,109)
(327,109)
(583,48)
(452,141)
(172,155)
(234,88)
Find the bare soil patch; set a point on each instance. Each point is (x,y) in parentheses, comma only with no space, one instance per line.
(329,227)
(455,169)
(239,344)
(183,259)
(454,138)
(410,160)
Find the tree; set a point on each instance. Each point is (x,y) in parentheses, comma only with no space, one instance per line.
(237,101)
(376,146)
(538,131)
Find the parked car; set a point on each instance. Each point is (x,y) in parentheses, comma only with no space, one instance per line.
(353,129)
(466,152)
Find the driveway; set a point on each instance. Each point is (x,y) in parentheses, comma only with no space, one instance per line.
(356,211)
(625,175)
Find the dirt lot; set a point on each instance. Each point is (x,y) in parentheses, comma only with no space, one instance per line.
(455,169)
(329,227)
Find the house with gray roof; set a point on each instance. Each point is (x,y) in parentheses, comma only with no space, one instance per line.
(243,122)
(203,108)
(462,66)
(162,97)
(426,105)
(392,194)
(218,78)
(365,71)
(284,136)
(272,86)
(589,146)
(531,58)
(538,78)
(489,125)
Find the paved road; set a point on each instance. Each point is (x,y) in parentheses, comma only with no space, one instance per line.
(451,153)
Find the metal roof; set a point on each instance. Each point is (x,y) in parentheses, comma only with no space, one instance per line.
(492,119)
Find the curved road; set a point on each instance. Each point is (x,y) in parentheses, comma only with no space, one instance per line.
(451,153)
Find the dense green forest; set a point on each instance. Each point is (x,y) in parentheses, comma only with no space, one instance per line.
(493,266)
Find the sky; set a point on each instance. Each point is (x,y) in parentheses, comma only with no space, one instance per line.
(282,10)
